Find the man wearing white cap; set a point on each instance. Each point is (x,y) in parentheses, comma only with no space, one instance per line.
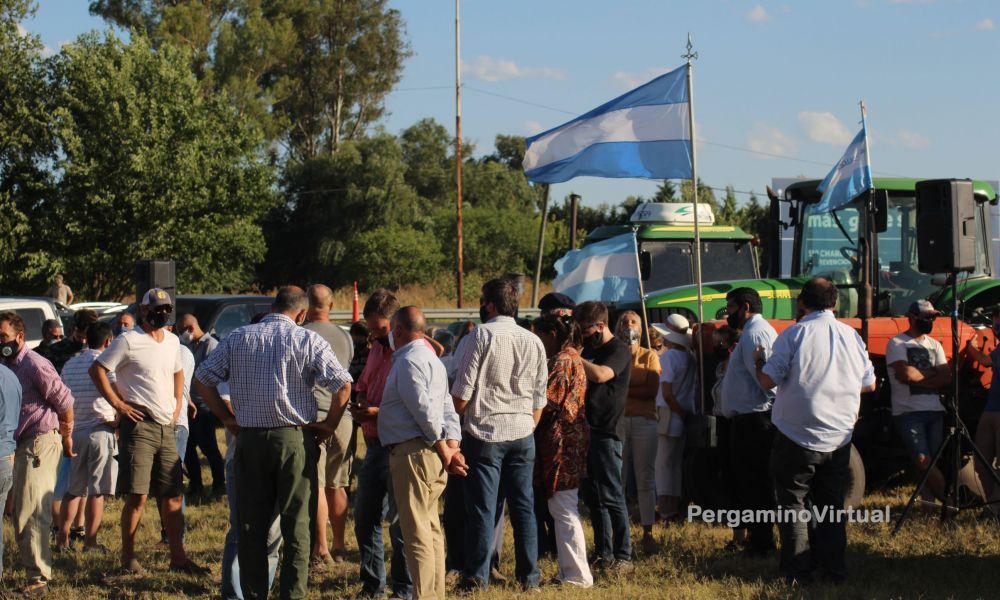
(918,370)
(674,402)
(150,376)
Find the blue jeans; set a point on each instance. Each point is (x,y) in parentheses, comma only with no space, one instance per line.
(921,431)
(375,503)
(602,492)
(181,441)
(230,562)
(6,482)
(491,464)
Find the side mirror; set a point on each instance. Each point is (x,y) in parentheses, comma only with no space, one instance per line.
(645,264)
(881,212)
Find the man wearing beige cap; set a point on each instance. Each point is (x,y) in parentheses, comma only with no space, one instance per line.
(149,374)
(918,371)
(674,402)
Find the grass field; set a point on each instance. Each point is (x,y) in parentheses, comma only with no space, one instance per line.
(927,560)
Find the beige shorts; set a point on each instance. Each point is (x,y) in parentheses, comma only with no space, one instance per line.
(336,456)
(94,470)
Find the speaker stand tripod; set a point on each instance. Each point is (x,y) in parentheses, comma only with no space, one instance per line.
(949,455)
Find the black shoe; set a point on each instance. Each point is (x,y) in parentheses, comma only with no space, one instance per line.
(77,534)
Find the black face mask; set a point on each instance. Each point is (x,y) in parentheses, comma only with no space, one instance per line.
(483,314)
(594,340)
(9,350)
(383,340)
(924,326)
(735,320)
(157,319)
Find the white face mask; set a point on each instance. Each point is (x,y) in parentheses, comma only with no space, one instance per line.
(186,338)
(392,341)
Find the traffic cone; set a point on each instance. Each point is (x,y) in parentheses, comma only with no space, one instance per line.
(355,313)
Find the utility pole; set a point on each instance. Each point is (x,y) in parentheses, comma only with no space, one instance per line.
(459,275)
(574,201)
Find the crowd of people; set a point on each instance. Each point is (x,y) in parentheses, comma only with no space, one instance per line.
(515,416)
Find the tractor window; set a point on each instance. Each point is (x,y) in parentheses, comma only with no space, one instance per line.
(670,265)
(830,244)
(726,261)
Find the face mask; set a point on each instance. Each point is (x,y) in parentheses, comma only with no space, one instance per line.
(735,320)
(392,341)
(384,340)
(186,338)
(629,336)
(9,350)
(594,340)
(924,326)
(157,319)
(483,315)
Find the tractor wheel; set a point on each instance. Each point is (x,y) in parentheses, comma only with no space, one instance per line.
(855,489)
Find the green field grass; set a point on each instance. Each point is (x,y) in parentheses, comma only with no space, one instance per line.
(927,560)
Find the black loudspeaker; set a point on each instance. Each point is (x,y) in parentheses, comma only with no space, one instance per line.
(946,226)
(155,274)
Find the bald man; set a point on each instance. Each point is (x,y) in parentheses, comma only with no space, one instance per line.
(417,422)
(336,453)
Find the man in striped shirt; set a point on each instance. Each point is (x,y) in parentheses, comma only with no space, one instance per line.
(271,368)
(94,469)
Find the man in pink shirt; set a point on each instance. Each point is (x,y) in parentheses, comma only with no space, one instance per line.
(45,427)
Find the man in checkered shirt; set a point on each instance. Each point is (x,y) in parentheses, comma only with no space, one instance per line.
(271,368)
(500,389)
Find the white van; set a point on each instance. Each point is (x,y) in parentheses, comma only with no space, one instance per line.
(34,313)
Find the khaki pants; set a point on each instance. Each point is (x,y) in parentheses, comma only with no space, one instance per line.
(418,480)
(36,463)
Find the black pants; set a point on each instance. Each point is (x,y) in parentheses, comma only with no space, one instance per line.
(202,438)
(750,438)
(809,480)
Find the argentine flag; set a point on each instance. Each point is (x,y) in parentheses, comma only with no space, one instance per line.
(643,133)
(605,271)
(849,179)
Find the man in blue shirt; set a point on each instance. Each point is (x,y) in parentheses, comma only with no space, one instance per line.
(820,367)
(748,407)
(10,411)
(418,424)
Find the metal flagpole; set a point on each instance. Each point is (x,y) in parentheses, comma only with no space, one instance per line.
(642,291)
(866,246)
(459,268)
(541,246)
(690,56)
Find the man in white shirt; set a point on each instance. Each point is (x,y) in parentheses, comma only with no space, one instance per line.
(918,370)
(148,370)
(820,367)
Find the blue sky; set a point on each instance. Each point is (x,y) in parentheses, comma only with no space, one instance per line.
(773,78)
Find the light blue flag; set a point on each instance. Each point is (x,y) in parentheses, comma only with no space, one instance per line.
(849,179)
(644,133)
(605,271)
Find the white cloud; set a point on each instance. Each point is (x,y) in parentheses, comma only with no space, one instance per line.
(630,80)
(757,14)
(824,128)
(770,140)
(488,68)
(912,140)
(533,127)
(985,25)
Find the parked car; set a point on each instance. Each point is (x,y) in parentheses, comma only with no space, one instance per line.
(34,312)
(219,315)
(98,307)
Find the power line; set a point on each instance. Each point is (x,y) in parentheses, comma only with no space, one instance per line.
(519,101)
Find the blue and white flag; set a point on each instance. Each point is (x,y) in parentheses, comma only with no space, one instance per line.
(607,271)
(849,179)
(643,133)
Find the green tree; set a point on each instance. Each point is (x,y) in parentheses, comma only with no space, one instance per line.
(150,168)
(430,168)
(25,140)
(394,255)
(729,212)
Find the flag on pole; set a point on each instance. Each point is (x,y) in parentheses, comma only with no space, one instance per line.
(644,133)
(607,271)
(850,178)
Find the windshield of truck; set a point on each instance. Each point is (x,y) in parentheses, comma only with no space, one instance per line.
(672,265)
(830,249)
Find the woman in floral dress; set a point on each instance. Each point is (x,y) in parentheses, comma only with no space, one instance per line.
(561,441)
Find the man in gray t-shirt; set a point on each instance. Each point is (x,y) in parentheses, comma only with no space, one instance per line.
(335,453)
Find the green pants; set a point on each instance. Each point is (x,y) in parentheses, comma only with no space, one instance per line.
(275,471)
